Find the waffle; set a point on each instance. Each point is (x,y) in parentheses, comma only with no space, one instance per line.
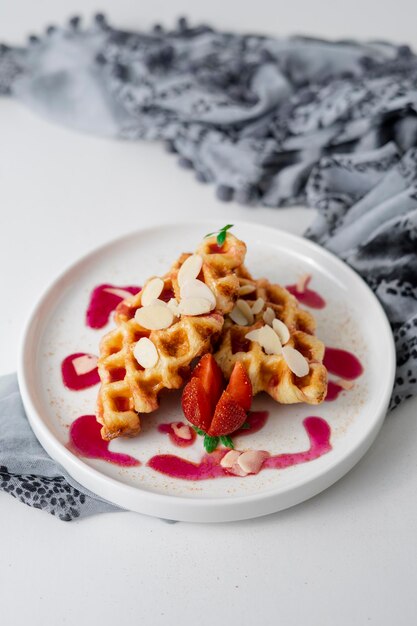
(127,388)
(270,373)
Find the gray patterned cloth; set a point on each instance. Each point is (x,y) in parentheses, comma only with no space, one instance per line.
(270,121)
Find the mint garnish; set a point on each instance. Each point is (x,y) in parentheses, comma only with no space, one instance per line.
(210,443)
(227,442)
(221,234)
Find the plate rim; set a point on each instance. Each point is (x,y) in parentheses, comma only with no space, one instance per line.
(207,509)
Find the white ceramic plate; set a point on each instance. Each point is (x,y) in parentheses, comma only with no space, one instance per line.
(352,320)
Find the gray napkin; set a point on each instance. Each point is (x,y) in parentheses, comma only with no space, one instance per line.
(29,474)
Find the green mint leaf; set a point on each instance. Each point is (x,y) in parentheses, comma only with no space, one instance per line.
(227,441)
(198,430)
(210,443)
(245,426)
(221,238)
(221,234)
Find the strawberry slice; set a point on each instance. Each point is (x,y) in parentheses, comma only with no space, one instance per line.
(228,416)
(196,404)
(211,377)
(240,386)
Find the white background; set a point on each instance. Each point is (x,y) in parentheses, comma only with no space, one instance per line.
(348,556)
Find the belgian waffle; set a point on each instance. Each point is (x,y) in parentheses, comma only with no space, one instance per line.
(270,372)
(127,388)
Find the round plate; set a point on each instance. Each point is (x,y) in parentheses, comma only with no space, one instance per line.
(352,320)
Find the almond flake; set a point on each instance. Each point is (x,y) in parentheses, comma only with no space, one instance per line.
(182,431)
(152,291)
(258,305)
(173,306)
(145,352)
(197,289)
(295,361)
(84,364)
(230,459)
(269,316)
(155,316)
(251,461)
(190,269)
(194,306)
(302,283)
(269,340)
(345,384)
(245,289)
(281,330)
(238,317)
(253,335)
(246,310)
(116,291)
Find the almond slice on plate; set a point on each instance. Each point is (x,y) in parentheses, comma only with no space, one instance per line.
(152,291)
(238,317)
(281,330)
(246,310)
(269,316)
(245,289)
(251,461)
(190,269)
(84,364)
(182,431)
(258,305)
(145,352)
(194,306)
(155,316)
(295,361)
(230,458)
(197,289)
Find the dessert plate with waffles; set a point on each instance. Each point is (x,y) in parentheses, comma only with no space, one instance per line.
(205,373)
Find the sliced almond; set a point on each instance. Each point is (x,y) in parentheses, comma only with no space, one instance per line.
(244,290)
(152,291)
(342,382)
(194,306)
(182,431)
(173,306)
(116,291)
(269,340)
(238,317)
(269,316)
(230,458)
(197,289)
(156,316)
(302,283)
(251,461)
(145,353)
(295,361)
(254,335)
(84,364)
(258,305)
(246,310)
(281,330)
(190,269)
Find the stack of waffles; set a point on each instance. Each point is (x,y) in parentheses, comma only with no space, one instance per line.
(207,303)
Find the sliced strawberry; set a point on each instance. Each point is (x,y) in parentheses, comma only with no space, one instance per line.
(196,404)
(228,416)
(211,377)
(240,386)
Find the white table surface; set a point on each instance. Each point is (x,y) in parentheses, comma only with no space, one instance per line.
(346,557)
